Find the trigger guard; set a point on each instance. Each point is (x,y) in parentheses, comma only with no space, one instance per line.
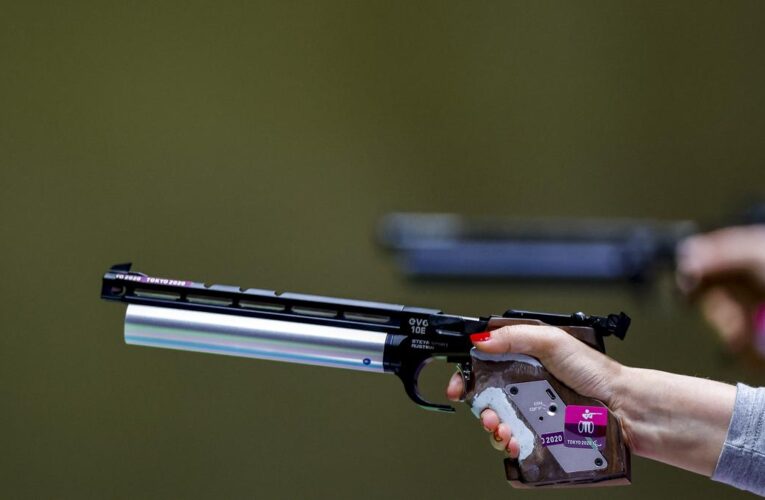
(409,374)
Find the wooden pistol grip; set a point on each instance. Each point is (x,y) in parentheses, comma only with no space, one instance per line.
(536,404)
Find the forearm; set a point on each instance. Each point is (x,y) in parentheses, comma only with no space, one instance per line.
(675,419)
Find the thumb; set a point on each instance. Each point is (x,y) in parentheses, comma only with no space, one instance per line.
(729,317)
(542,342)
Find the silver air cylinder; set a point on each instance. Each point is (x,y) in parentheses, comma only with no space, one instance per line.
(233,335)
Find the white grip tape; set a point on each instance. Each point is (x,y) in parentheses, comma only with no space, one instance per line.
(496,399)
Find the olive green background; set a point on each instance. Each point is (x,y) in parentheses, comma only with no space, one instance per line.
(256,143)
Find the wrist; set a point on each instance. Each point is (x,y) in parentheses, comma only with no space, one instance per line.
(621,402)
(675,419)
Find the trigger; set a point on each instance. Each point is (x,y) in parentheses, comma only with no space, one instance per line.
(466,372)
(409,375)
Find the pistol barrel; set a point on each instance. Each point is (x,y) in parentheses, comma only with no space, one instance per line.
(250,337)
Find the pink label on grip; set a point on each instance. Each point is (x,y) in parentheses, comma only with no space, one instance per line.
(759,320)
(585,427)
(759,330)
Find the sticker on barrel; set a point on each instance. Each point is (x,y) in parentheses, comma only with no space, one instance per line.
(585,427)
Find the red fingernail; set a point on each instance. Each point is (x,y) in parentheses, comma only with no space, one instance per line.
(480,337)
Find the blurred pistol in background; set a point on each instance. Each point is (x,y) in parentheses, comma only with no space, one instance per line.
(566,439)
(572,249)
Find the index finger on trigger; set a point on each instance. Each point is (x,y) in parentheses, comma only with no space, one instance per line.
(456,387)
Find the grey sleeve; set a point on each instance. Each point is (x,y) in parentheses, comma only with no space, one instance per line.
(742,460)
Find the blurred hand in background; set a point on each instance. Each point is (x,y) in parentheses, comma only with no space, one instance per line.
(725,271)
